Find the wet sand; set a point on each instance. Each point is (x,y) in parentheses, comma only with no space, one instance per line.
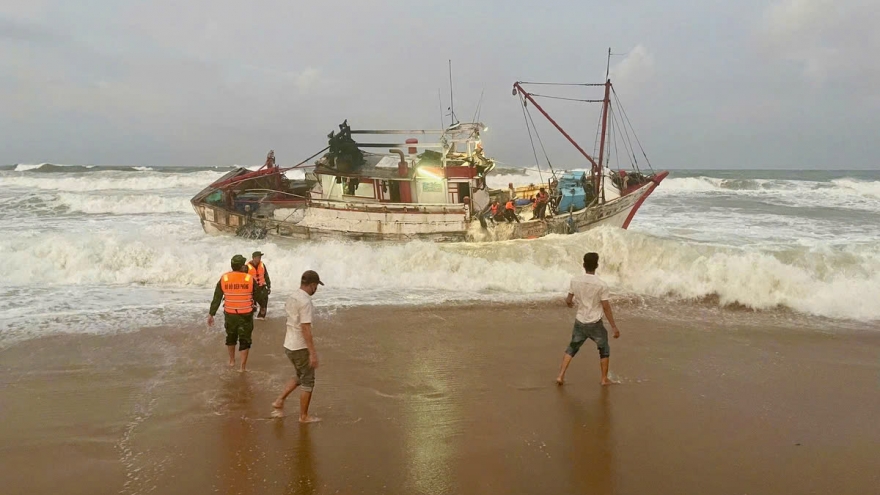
(449,400)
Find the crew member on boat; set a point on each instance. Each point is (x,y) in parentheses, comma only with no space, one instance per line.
(236,290)
(510,211)
(270,159)
(541,203)
(257,269)
(493,211)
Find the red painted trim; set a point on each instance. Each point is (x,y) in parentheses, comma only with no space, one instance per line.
(462,172)
(656,180)
(243,177)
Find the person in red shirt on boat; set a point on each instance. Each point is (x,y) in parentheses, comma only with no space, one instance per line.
(257,269)
(510,211)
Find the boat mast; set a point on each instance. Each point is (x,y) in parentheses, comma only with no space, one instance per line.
(598,184)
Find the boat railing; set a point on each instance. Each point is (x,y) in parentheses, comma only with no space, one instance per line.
(454,208)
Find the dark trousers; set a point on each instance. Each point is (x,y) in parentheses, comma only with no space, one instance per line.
(262,298)
(540,210)
(510,216)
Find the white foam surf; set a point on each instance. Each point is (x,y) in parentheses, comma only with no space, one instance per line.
(123,204)
(105,181)
(844,186)
(843,193)
(825,280)
(24,167)
(869,189)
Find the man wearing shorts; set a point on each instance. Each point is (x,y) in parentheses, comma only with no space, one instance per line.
(236,289)
(590,294)
(299,345)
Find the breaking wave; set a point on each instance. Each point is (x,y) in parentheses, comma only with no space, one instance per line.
(46,168)
(870,189)
(113,181)
(51,167)
(846,193)
(830,281)
(122,204)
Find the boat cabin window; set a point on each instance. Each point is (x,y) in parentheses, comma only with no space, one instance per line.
(215,198)
(358,188)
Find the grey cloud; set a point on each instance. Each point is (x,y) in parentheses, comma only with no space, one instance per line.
(709,84)
(22,31)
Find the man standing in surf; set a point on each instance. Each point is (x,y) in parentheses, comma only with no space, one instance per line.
(299,345)
(236,289)
(590,294)
(257,270)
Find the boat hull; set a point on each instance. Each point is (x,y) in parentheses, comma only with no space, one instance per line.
(324,220)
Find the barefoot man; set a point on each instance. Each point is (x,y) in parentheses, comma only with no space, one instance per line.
(590,294)
(299,346)
(236,289)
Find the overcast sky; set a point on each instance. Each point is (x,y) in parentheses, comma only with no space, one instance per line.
(706,83)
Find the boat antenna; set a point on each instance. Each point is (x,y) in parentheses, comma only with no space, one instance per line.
(479,106)
(451,98)
(440,100)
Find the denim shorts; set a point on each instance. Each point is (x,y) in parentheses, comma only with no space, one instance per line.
(594,331)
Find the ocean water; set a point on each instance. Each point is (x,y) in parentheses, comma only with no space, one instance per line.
(112,249)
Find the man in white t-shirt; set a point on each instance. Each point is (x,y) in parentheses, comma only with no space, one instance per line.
(299,345)
(590,294)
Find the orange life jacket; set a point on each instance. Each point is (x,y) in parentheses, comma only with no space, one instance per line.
(259,273)
(509,205)
(237,293)
(494,209)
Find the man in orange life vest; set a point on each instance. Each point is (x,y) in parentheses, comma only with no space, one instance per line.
(541,201)
(257,269)
(510,211)
(237,288)
(492,211)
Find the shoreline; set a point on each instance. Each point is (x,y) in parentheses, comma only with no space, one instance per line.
(683,311)
(447,399)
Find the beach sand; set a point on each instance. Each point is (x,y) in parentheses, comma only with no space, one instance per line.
(451,400)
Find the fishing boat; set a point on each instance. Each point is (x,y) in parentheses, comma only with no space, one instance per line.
(406,187)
